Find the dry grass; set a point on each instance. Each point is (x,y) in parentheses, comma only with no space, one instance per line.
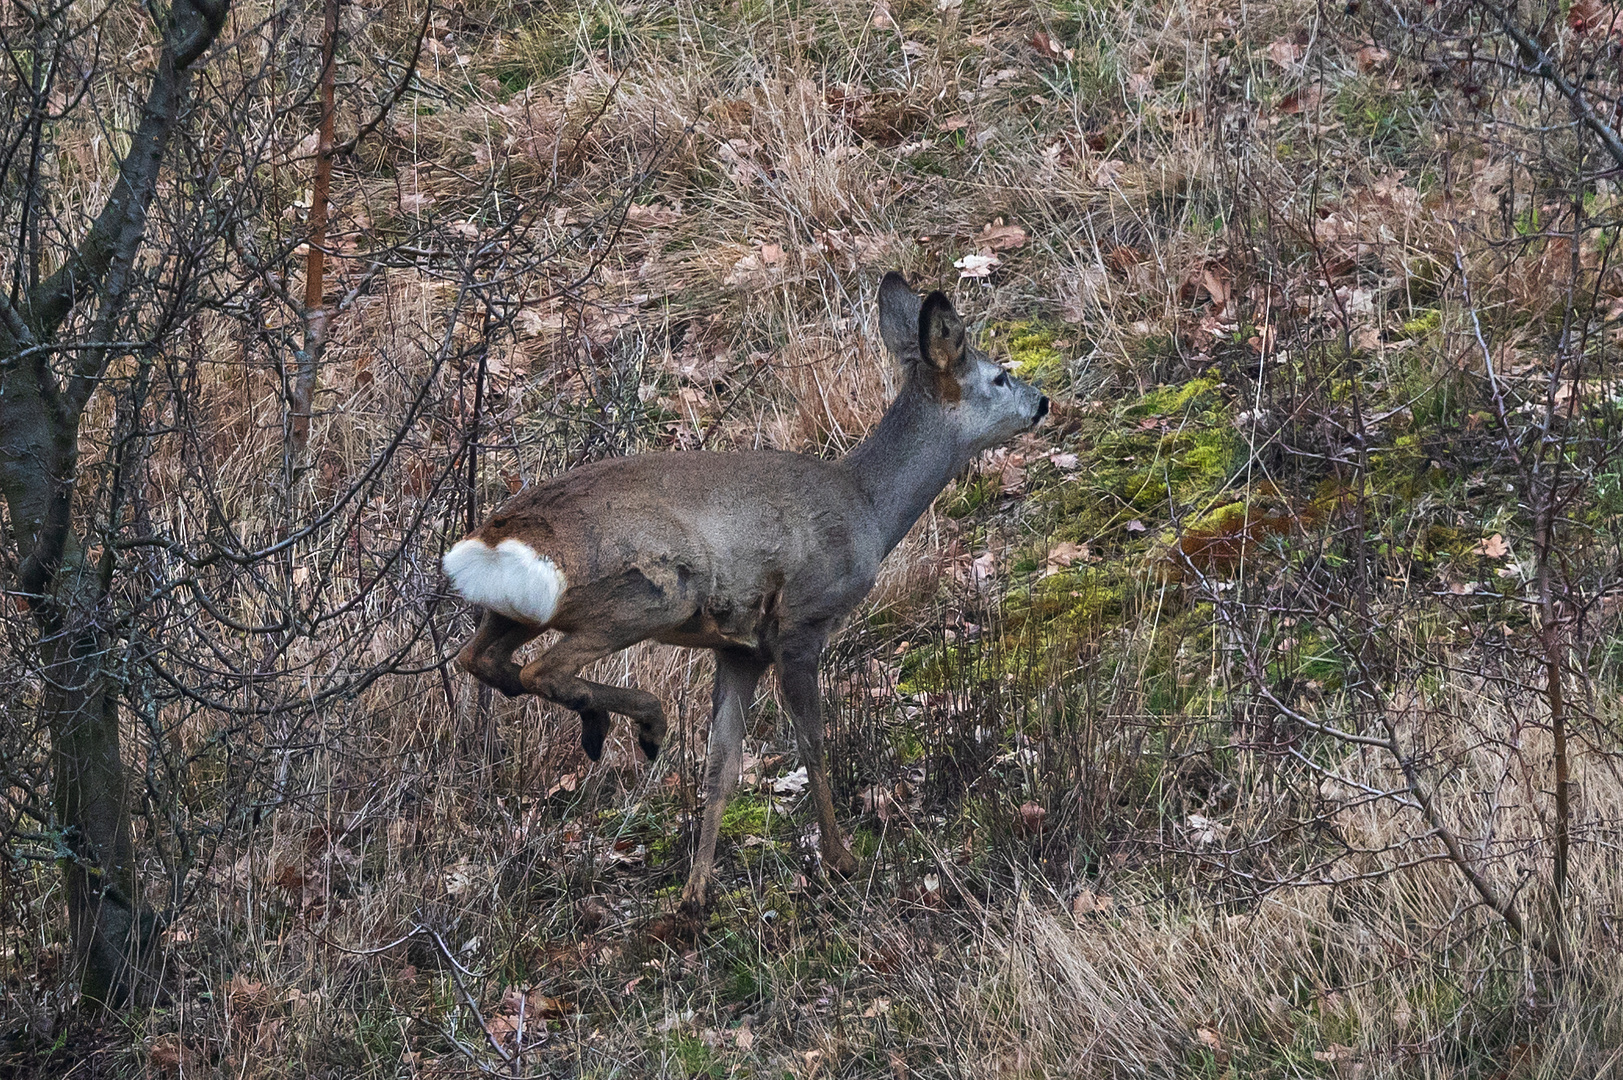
(1181,900)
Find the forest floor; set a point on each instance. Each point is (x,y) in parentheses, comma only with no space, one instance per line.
(1079,732)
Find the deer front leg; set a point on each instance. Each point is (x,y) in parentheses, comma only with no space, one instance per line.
(797,670)
(736,676)
(552,675)
(488,656)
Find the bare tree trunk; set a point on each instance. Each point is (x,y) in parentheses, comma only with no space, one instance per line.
(307,363)
(40,410)
(113,933)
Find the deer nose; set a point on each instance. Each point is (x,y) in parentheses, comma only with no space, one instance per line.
(1042,409)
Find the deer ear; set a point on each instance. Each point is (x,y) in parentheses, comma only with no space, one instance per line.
(899,318)
(941,333)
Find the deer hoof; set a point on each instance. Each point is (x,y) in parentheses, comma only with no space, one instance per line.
(594,728)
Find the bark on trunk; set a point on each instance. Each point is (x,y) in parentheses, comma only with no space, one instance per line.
(307,362)
(41,404)
(113,932)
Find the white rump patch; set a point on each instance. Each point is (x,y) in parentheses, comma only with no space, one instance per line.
(511,578)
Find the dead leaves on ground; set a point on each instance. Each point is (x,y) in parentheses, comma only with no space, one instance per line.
(1289,53)
(1595,18)
(769,263)
(521,1019)
(995,237)
(1051,50)
(1305,100)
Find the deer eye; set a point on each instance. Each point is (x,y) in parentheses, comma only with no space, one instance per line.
(1002,379)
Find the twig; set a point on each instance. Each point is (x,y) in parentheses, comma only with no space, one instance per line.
(1545,68)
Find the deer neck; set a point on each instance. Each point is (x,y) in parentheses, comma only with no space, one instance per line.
(906,461)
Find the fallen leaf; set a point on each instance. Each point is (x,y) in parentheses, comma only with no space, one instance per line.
(1203,831)
(1136,526)
(1011,478)
(416,202)
(1108,173)
(1335,1053)
(791,784)
(1304,100)
(290,878)
(1123,257)
(1028,820)
(976,266)
(591,912)
(245,993)
(1000,237)
(1371,57)
(954,123)
(1049,49)
(651,216)
(879,801)
(503,1028)
(983,569)
(758,267)
(1211,279)
(1211,1040)
(168,1054)
(1287,53)
(745,1037)
(1064,554)
(1492,547)
(531,323)
(1088,902)
(1064,462)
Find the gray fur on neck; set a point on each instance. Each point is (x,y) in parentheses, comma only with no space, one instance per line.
(906,461)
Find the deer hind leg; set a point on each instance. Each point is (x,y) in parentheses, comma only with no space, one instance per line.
(488,656)
(552,675)
(737,673)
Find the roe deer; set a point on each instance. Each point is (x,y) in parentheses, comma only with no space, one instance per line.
(755,555)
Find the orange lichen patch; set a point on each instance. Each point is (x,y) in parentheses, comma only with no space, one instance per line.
(1221,541)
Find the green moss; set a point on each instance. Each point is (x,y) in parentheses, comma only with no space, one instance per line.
(1031,350)
(1426,322)
(1167,400)
(746,815)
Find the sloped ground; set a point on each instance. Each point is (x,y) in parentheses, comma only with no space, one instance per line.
(1265,258)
